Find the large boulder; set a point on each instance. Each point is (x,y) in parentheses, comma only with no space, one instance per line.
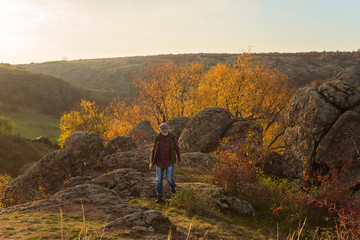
(177,124)
(85,150)
(127,183)
(135,159)
(323,126)
(120,144)
(80,157)
(143,134)
(340,143)
(308,117)
(203,132)
(197,160)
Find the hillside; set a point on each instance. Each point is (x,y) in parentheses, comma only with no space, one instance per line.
(114,75)
(15,152)
(21,88)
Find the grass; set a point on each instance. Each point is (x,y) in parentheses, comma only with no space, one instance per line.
(217,226)
(31,124)
(30,225)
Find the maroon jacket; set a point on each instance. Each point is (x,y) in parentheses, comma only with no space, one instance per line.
(162,150)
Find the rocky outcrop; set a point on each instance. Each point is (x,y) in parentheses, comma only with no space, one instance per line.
(322,125)
(203,132)
(135,159)
(100,200)
(120,144)
(197,160)
(143,133)
(79,157)
(177,124)
(128,183)
(235,206)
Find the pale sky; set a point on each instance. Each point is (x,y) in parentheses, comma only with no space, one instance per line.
(47,30)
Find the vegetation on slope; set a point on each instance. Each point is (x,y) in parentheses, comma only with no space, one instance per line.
(115,75)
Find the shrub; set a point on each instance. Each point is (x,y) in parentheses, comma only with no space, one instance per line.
(194,201)
(236,166)
(6,126)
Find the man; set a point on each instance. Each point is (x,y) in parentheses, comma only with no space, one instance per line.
(164,153)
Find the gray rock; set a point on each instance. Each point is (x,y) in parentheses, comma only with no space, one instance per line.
(136,159)
(203,132)
(342,94)
(120,144)
(198,160)
(308,118)
(340,143)
(143,133)
(177,124)
(148,219)
(127,183)
(234,205)
(80,157)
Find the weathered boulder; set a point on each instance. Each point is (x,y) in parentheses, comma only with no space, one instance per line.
(323,126)
(85,150)
(308,117)
(177,124)
(135,159)
(234,205)
(148,221)
(127,183)
(339,145)
(143,133)
(197,160)
(340,93)
(80,157)
(205,129)
(120,144)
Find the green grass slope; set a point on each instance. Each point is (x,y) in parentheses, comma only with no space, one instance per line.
(15,152)
(46,94)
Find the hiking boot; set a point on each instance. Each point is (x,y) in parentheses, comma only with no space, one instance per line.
(173,190)
(159,200)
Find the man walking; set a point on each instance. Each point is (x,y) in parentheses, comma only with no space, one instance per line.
(164,153)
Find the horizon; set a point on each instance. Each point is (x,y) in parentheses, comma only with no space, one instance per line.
(43,31)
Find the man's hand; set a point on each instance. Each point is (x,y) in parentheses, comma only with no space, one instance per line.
(151,166)
(179,164)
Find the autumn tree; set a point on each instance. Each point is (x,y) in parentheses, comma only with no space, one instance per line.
(87,118)
(164,89)
(123,118)
(249,89)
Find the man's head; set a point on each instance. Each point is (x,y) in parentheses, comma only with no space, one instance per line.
(164,129)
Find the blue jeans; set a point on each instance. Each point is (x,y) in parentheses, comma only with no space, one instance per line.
(169,172)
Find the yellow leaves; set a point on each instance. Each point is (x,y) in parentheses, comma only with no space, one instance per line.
(88,119)
(247,88)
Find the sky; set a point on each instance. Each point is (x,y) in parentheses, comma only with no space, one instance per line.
(52,30)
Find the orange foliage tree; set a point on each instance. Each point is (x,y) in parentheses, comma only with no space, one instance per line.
(164,89)
(248,88)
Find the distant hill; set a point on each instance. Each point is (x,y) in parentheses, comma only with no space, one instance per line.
(15,152)
(20,88)
(115,75)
